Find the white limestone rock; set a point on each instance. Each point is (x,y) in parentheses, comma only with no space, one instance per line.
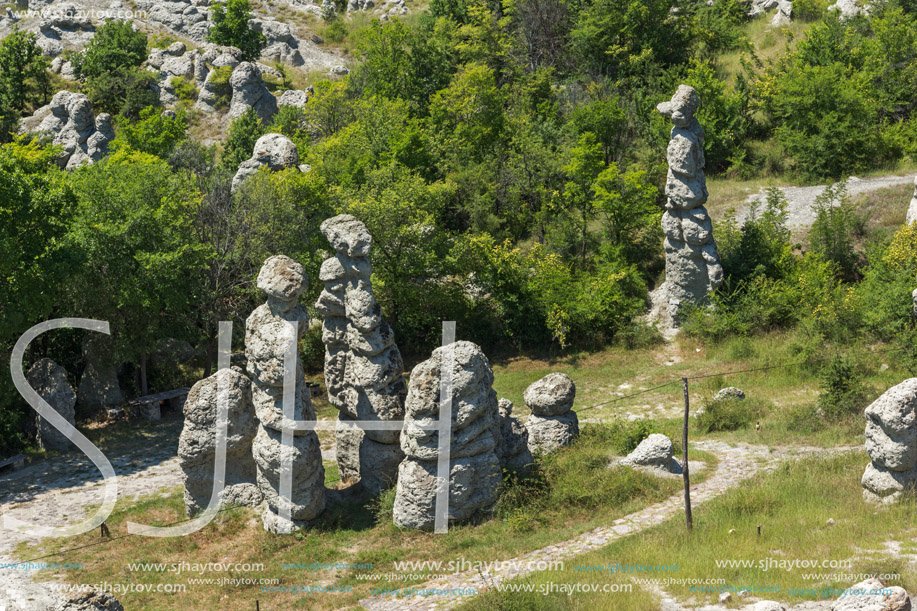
(274,151)
(864,597)
(656,452)
(552,395)
(249,91)
(474,468)
(891,442)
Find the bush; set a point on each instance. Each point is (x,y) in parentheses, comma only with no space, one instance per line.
(184,88)
(626,435)
(244,132)
(726,414)
(810,10)
(219,81)
(843,390)
(836,229)
(155,133)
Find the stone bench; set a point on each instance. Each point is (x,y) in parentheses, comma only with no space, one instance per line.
(149,407)
(13,464)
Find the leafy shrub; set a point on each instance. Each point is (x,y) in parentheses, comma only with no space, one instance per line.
(626,435)
(810,10)
(244,132)
(219,81)
(155,133)
(843,390)
(312,349)
(836,229)
(727,414)
(184,88)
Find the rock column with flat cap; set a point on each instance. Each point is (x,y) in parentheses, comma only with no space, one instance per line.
(553,424)
(692,263)
(363,367)
(474,467)
(891,442)
(268,332)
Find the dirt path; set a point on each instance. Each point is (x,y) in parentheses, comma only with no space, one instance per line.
(736,464)
(800,199)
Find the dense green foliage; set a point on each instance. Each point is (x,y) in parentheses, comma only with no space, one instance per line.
(24,79)
(231,27)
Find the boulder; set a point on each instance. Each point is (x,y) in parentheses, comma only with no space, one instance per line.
(474,468)
(864,597)
(88,599)
(49,380)
(656,452)
(512,440)
(549,434)
(274,151)
(197,442)
(293,97)
(730,392)
(552,395)
(249,91)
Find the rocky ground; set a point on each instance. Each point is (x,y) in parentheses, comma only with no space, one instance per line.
(800,199)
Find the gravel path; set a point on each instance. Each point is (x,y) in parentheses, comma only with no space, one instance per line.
(736,464)
(800,199)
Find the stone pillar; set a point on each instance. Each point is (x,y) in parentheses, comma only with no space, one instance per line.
(553,423)
(49,380)
(268,332)
(99,388)
(692,263)
(891,442)
(912,209)
(474,468)
(512,440)
(363,367)
(197,443)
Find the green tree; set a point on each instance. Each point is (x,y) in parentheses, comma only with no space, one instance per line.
(24,76)
(232,27)
(244,132)
(155,133)
(576,207)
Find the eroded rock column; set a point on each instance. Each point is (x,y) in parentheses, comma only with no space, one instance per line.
(891,442)
(363,366)
(553,423)
(268,332)
(692,263)
(474,467)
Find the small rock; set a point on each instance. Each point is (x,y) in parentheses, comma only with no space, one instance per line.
(725,597)
(830,522)
(730,392)
(316,39)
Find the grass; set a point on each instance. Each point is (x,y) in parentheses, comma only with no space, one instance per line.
(574,491)
(792,505)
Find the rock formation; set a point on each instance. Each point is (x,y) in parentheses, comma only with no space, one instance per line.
(176,62)
(730,392)
(512,440)
(268,332)
(363,366)
(655,452)
(249,91)
(282,46)
(912,209)
(197,443)
(49,380)
(692,263)
(275,151)
(68,119)
(474,468)
(61,28)
(553,424)
(850,8)
(98,387)
(891,442)
(864,596)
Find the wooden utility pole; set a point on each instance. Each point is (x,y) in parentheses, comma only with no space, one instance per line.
(684,458)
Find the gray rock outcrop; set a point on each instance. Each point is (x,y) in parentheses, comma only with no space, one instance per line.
(268,332)
(474,468)
(69,121)
(512,440)
(197,443)
(274,151)
(99,388)
(363,366)
(553,424)
(282,45)
(912,209)
(49,380)
(655,452)
(730,392)
(249,91)
(189,19)
(891,442)
(692,263)
(293,97)
(88,599)
(863,597)
(176,62)
(62,28)
(850,8)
